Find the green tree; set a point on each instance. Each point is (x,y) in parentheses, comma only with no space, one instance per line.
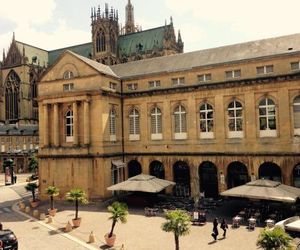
(52,191)
(119,212)
(274,239)
(31,187)
(33,164)
(178,222)
(76,195)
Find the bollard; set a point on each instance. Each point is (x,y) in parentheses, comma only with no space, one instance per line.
(27,209)
(92,237)
(68,227)
(42,216)
(22,206)
(50,219)
(35,213)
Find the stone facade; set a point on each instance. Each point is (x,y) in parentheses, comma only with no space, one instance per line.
(207,126)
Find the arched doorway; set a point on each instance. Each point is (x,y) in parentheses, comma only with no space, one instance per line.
(134,168)
(181,172)
(237,174)
(296,175)
(270,171)
(208,176)
(157,169)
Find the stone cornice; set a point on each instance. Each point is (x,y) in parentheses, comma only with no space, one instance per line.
(245,154)
(216,85)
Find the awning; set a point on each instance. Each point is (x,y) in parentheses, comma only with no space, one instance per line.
(265,190)
(142,183)
(118,163)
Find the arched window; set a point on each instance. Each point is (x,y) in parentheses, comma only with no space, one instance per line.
(267,118)
(156,124)
(112,125)
(235,120)
(206,121)
(12,90)
(100,42)
(134,125)
(180,122)
(69,126)
(296,111)
(68,74)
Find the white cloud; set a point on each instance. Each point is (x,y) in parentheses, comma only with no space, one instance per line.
(254,19)
(30,26)
(25,12)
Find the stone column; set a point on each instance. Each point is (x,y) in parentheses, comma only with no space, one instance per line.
(55,125)
(86,123)
(75,123)
(46,126)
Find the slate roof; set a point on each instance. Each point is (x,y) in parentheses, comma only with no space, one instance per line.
(142,41)
(104,69)
(19,130)
(81,49)
(220,55)
(32,51)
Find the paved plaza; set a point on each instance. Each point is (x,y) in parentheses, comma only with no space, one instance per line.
(144,233)
(139,233)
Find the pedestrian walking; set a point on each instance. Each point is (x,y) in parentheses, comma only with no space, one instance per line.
(215,231)
(224,227)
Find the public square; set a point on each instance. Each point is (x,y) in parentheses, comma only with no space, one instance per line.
(139,233)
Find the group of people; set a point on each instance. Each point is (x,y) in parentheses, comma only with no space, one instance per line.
(223,226)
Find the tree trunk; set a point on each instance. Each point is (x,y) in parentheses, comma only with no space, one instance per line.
(76,209)
(112,228)
(51,202)
(176,242)
(33,195)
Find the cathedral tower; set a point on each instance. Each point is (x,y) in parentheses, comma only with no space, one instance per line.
(129,24)
(105,33)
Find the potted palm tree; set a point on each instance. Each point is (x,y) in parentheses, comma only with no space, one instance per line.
(179,223)
(274,239)
(77,196)
(31,187)
(52,191)
(119,212)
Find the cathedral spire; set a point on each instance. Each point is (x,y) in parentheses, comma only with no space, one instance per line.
(129,24)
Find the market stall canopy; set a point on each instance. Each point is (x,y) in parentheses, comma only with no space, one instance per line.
(142,183)
(265,190)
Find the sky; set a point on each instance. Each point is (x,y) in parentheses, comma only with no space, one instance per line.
(52,24)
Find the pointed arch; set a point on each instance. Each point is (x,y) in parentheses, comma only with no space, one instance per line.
(100,41)
(12,96)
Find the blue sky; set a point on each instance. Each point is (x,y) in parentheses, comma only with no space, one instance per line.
(52,24)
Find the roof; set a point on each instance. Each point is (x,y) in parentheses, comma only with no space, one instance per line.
(225,54)
(141,41)
(81,49)
(32,52)
(104,69)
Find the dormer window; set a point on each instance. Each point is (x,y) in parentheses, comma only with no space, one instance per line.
(68,74)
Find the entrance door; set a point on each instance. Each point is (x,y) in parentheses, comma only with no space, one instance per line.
(237,174)
(181,173)
(270,171)
(157,169)
(208,179)
(296,175)
(134,168)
